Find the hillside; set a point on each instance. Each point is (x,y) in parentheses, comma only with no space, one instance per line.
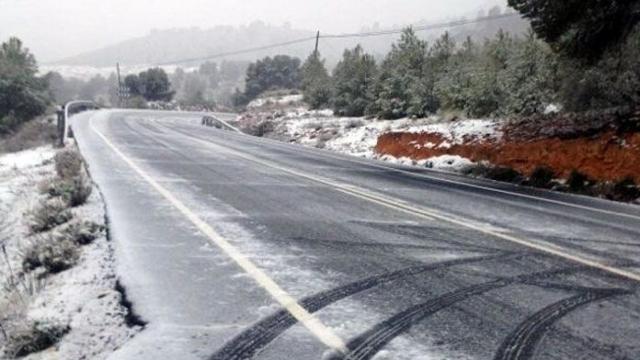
(165,46)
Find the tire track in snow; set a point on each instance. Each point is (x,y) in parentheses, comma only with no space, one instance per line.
(522,342)
(367,345)
(251,341)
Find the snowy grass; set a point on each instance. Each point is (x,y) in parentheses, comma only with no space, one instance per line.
(65,300)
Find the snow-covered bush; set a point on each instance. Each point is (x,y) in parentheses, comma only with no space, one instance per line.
(53,253)
(49,214)
(82,232)
(68,163)
(74,191)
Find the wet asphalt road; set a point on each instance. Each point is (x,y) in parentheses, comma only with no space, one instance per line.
(398,263)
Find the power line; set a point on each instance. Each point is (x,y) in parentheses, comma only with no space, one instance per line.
(343,36)
(238,52)
(421,28)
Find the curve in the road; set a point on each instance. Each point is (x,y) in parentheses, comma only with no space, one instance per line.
(459,182)
(429,213)
(522,342)
(251,341)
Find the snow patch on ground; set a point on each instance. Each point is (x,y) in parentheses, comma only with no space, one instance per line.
(83,297)
(27,158)
(449,162)
(275,100)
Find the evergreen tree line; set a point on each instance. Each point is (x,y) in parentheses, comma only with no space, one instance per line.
(23,94)
(502,76)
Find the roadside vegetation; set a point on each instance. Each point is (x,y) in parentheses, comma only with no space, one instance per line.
(573,76)
(23,95)
(52,245)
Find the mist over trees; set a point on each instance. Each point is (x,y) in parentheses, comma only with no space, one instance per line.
(587,59)
(165,46)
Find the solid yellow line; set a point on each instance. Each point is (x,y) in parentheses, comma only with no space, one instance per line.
(431,214)
(313,324)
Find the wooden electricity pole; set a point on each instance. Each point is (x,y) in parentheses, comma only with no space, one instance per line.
(119,85)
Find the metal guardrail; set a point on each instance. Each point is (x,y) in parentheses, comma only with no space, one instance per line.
(210,120)
(67,109)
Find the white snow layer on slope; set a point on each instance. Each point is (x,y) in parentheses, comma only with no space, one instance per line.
(84,297)
(359,136)
(27,158)
(279,100)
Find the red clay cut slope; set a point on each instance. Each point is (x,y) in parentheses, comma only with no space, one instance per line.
(606,156)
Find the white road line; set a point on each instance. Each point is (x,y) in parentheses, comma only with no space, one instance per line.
(312,323)
(430,214)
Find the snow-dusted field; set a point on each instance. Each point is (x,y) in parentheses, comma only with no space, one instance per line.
(83,297)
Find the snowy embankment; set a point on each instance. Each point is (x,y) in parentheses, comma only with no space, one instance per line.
(359,136)
(70,313)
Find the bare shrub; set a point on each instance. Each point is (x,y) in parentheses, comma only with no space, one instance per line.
(578,182)
(505,174)
(53,253)
(541,177)
(32,134)
(49,214)
(33,336)
(498,173)
(68,163)
(624,190)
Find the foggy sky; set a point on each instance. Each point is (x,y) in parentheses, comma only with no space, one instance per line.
(55,29)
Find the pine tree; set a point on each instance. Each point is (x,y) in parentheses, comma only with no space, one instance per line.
(487,93)
(403,89)
(453,87)
(279,72)
(316,83)
(581,28)
(529,80)
(353,78)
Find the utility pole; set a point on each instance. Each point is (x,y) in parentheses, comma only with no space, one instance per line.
(119,85)
(315,52)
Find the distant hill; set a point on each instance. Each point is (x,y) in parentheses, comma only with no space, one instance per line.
(165,46)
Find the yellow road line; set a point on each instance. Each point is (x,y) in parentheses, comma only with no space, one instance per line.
(381,165)
(312,323)
(430,214)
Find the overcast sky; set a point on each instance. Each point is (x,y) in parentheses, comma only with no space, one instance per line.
(55,29)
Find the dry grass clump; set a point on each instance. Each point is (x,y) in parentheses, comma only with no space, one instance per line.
(32,134)
(31,337)
(82,232)
(52,253)
(49,214)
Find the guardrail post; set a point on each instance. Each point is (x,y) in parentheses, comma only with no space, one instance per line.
(61,124)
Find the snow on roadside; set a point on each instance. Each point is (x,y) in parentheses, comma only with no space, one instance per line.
(83,297)
(286,100)
(27,158)
(358,136)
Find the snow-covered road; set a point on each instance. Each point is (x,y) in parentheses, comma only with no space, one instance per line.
(234,247)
